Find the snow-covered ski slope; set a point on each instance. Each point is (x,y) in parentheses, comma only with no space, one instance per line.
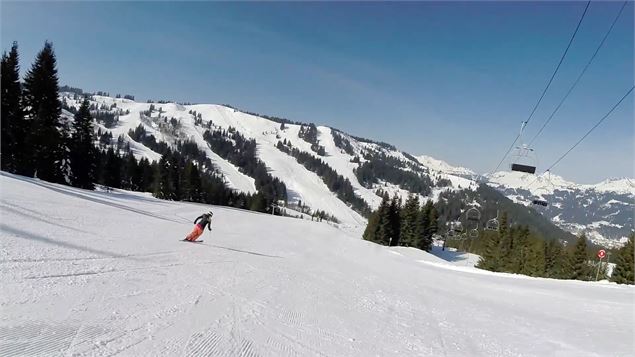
(99,274)
(302,184)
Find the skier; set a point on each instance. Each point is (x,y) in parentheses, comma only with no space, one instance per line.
(205,220)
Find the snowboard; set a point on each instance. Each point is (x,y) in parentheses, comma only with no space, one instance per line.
(192,241)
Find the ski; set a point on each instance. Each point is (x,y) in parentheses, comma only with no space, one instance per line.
(192,241)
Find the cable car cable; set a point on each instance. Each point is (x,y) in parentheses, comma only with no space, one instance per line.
(587,133)
(548,83)
(575,83)
(593,128)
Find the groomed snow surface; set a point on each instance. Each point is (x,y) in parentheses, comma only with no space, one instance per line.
(99,274)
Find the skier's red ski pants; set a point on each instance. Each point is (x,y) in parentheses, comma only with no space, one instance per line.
(196,232)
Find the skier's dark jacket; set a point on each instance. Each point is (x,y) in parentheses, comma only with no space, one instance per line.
(206,220)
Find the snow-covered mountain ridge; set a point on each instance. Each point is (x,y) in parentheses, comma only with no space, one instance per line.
(442,166)
(548,183)
(172,122)
(344,153)
(604,211)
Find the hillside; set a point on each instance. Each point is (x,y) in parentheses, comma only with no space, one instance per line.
(107,275)
(604,211)
(322,168)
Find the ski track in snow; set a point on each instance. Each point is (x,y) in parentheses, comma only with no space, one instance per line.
(102,274)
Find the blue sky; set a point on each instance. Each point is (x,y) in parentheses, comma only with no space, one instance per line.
(450,79)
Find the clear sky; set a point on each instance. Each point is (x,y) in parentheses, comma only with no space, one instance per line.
(448,79)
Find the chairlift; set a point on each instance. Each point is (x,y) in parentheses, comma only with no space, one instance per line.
(492,224)
(473,219)
(539,201)
(473,215)
(523,158)
(455,229)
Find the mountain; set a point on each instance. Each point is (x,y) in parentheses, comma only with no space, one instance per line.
(322,168)
(343,153)
(603,211)
(444,167)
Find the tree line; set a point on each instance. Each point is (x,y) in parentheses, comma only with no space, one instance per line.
(309,133)
(624,272)
(379,168)
(378,143)
(335,182)
(35,140)
(38,142)
(242,152)
(451,204)
(410,224)
(342,142)
(515,249)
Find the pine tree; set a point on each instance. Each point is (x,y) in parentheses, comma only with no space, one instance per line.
(258,203)
(83,151)
(433,220)
(44,109)
(112,169)
(193,183)
(580,260)
(132,173)
(13,123)
(163,186)
(394,218)
(566,268)
(624,272)
(386,224)
(372,227)
(491,258)
(175,170)
(557,262)
(428,226)
(535,265)
(511,251)
(424,225)
(432,229)
(507,247)
(552,257)
(147,175)
(520,253)
(373,232)
(410,224)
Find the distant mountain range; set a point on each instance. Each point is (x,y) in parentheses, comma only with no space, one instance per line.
(603,211)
